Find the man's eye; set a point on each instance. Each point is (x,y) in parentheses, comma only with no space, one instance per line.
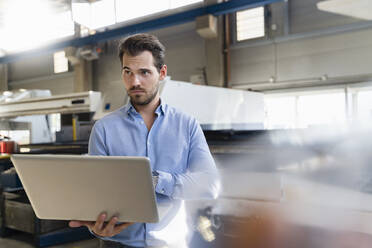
(127,72)
(145,73)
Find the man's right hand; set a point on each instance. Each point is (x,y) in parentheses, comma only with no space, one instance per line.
(101,228)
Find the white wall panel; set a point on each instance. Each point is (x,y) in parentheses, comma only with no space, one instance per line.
(254,64)
(31,68)
(341,55)
(305,17)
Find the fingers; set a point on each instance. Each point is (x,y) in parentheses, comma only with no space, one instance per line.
(99,228)
(76,223)
(99,223)
(109,229)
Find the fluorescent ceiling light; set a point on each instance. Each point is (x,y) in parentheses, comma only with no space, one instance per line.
(361,9)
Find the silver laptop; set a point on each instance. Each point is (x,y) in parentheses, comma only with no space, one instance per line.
(73,187)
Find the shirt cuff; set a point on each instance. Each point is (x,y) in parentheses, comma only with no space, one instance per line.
(165,184)
(96,235)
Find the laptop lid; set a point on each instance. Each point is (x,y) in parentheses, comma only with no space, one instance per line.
(74,187)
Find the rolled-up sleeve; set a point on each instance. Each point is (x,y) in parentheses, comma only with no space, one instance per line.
(201,178)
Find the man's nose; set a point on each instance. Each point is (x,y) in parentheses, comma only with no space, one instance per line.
(135,80)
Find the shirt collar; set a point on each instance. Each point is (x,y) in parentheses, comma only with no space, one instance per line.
(129,109)
(160,109)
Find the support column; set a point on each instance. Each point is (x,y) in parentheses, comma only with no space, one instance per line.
(83,76)
(4,77)
(214,53)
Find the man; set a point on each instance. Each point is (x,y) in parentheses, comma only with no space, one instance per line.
(173,141)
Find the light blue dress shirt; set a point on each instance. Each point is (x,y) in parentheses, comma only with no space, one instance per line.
(177,150)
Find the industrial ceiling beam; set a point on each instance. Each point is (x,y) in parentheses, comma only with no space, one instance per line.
(145,26)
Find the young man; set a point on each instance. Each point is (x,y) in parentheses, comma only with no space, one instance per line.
(173,141)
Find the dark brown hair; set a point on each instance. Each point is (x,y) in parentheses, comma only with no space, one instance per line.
(135,44)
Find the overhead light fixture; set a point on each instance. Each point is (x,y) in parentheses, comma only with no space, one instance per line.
(354,8)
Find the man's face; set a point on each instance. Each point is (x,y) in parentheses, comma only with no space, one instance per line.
(141,78)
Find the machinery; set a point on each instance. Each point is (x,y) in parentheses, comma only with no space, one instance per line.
(215,108)
(29,112)
(314,184)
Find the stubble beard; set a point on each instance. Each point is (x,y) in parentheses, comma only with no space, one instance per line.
(136,100)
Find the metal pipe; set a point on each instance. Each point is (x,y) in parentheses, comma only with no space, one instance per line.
(226,52)
(286,29)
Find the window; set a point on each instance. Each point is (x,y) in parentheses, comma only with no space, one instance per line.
(60,62)
(250,24)
(364,105)
(138,8)
(95,15)
(280,112)
(321,109)
(303,109)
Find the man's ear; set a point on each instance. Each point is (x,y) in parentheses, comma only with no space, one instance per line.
(163,72)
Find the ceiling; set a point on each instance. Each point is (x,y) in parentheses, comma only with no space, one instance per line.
(56,5)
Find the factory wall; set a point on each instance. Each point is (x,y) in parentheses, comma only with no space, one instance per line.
(304,61)
(184,56)
(320,48)
(57,84)
(38,73)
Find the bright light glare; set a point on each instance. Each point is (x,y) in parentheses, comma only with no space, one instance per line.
(102,14)
(281,112)
(302,111)
(81,13)
(33,23)
(60,62)
(29,24)
(321,109)
(180,3)
(365,105)
(94,15)
(138,8)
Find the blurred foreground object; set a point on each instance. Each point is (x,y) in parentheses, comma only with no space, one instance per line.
(294,188)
